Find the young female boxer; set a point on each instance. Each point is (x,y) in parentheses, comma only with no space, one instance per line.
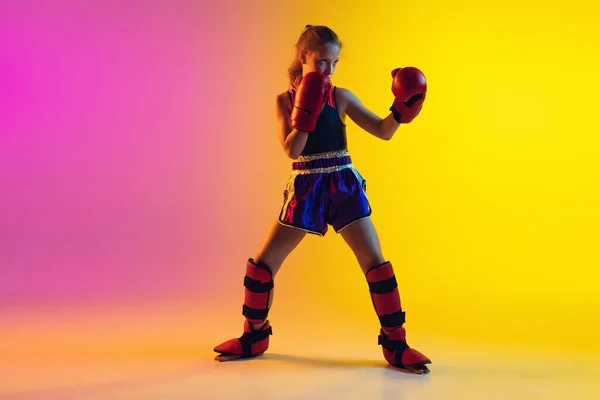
(326,189)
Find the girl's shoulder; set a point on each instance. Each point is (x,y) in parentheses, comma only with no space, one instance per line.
(284,101)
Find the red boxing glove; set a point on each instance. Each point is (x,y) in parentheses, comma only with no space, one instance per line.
(409,88)
(309,100)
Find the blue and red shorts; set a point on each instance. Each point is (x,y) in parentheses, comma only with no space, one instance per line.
(324,189)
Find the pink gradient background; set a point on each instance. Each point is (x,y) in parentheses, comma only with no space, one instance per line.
(129,145)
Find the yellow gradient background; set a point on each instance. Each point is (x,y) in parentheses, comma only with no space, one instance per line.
(487,204)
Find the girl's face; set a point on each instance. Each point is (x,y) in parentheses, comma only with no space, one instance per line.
(323,60)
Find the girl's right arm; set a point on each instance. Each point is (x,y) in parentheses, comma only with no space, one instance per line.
(292,140)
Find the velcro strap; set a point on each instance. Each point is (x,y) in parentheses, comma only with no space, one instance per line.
(254,313)
(383,287)
(396,114)
(392,320)
(248,338)
(257,286)
(411,102)
(392,345)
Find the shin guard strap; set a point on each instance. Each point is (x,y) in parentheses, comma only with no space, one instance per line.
(392,320)
(249,338)
(384,286)
(256,286)
(255,313)
(392,345)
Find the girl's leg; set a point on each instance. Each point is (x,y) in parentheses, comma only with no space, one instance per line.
(362,238)
(277,245)
(279,242)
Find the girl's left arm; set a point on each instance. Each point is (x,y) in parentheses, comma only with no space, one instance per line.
(383,128)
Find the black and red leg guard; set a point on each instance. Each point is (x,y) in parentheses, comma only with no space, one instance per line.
(258,284)
(386,300)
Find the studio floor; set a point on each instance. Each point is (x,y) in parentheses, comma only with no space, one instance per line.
(297,375)
(82,356)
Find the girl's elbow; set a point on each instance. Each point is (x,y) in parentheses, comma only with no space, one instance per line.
(383,135)
(291,153)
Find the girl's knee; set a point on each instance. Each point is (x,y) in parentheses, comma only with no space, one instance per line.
(370,260)
(269,262)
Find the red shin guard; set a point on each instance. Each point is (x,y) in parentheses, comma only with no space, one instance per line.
(258,283)
(386,300)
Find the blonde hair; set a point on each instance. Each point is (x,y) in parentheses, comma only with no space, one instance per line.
(312,37)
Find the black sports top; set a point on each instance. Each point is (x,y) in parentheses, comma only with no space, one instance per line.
(330,132)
